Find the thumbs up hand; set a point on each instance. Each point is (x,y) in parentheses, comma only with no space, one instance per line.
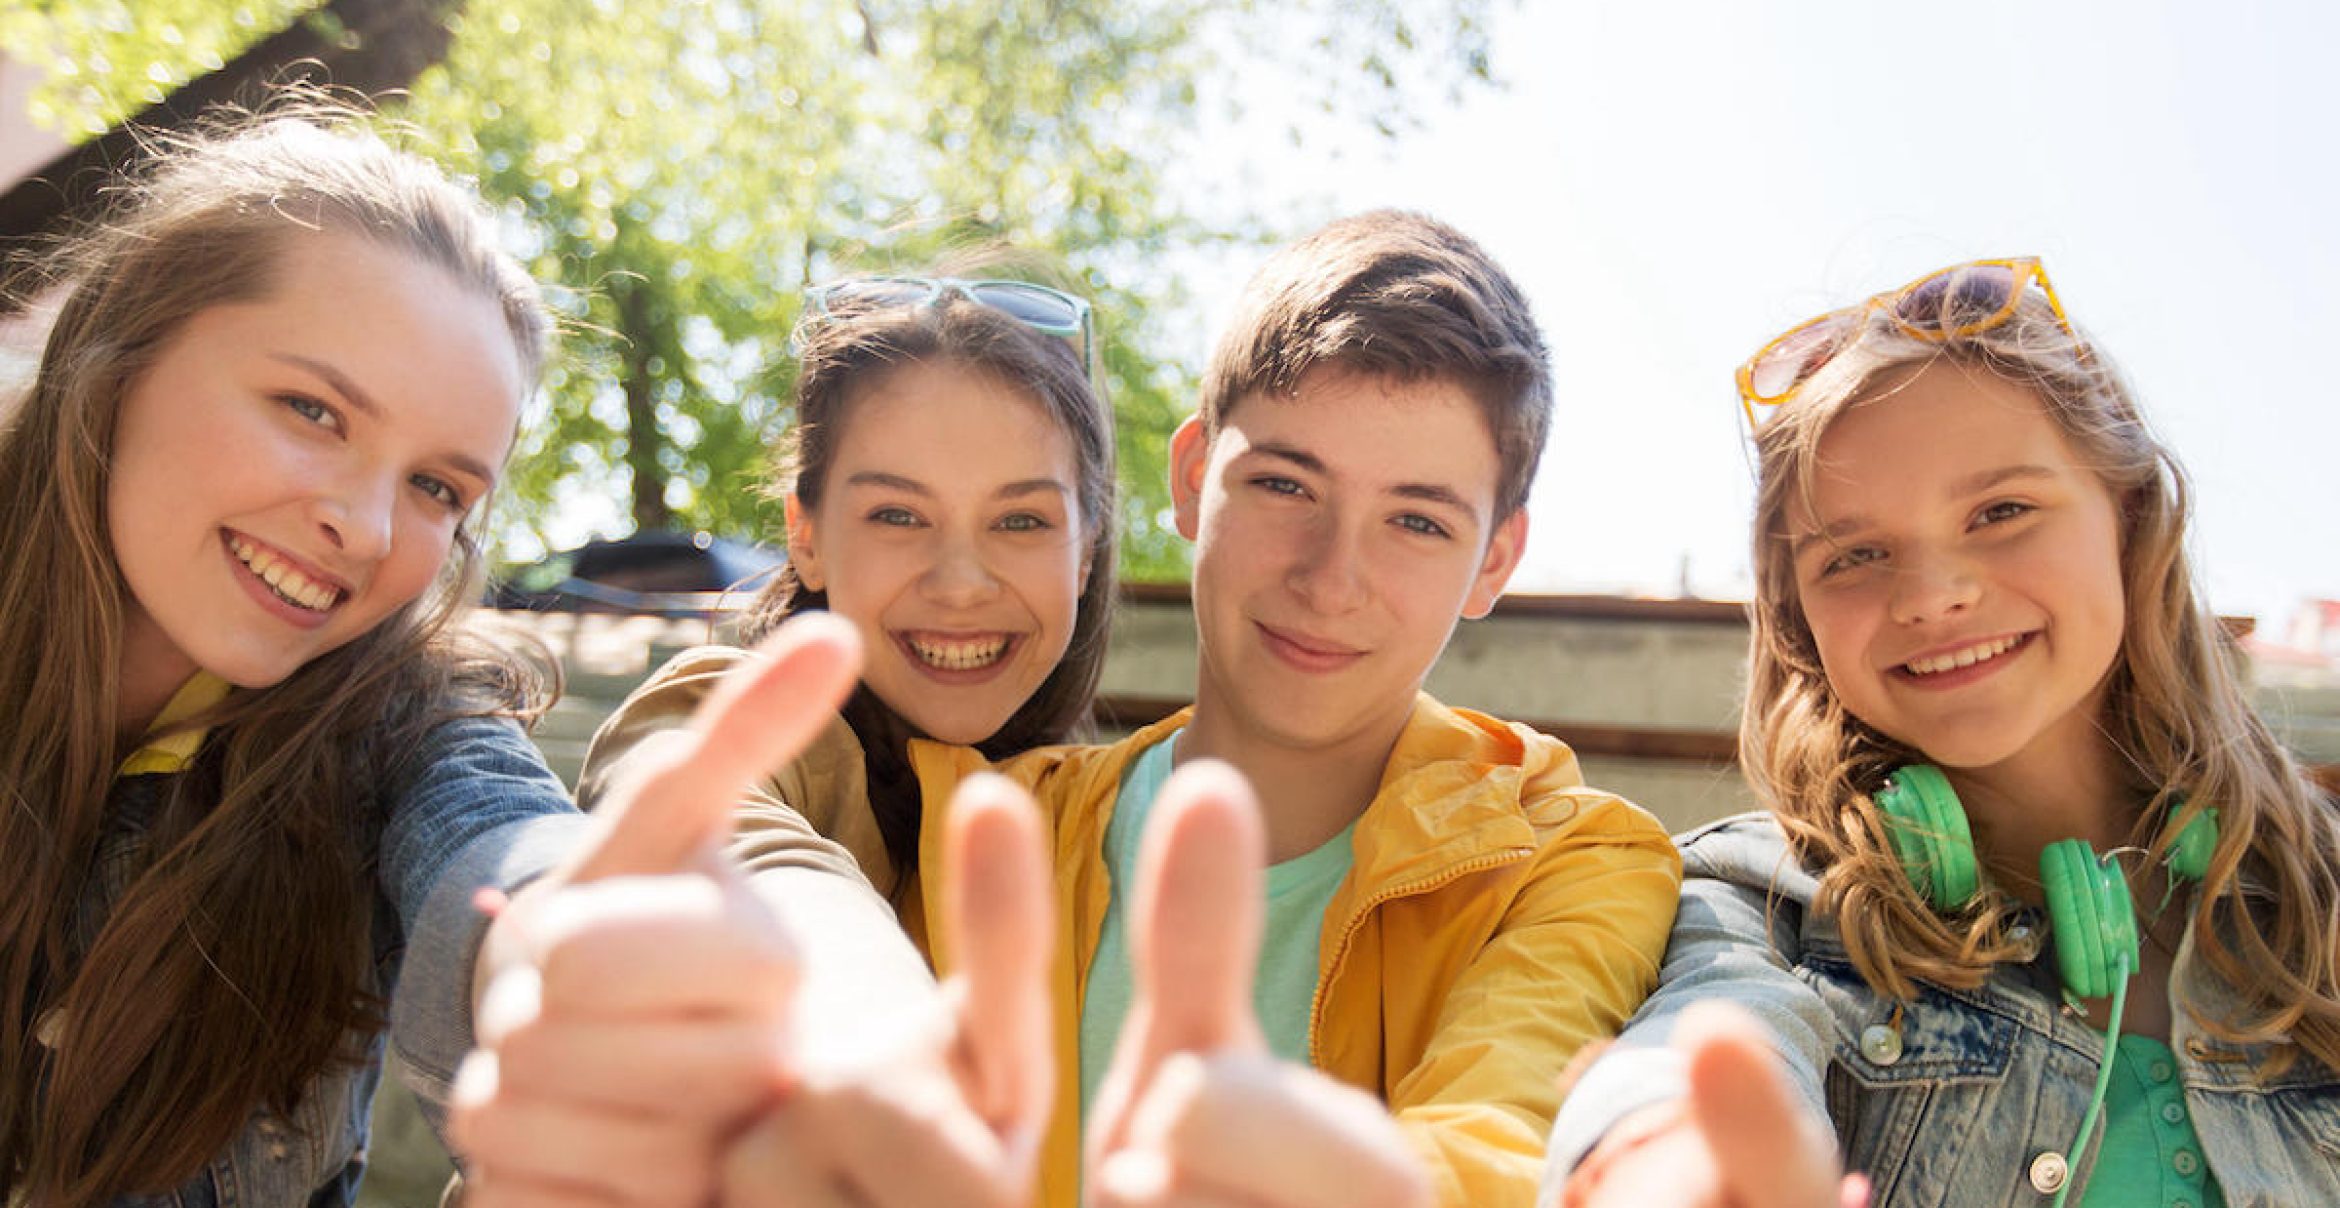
(1742,1139)
(1194,1110)
(634,1003)
(955,1112)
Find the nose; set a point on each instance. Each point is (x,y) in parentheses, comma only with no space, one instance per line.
(356,518)
(959,577)
(1329,574)
(1932,587)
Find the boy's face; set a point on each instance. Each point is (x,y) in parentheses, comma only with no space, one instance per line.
(1340,534)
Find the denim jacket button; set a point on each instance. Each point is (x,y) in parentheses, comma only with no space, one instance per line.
(1881,1044)
(2048,1172)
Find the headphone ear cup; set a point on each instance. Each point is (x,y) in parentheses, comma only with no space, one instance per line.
(2095,923)
(2195,842)
(1930,835)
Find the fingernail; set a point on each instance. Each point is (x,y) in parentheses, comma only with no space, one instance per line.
(513,1001)
(476,1080)
(490,901)
(1167,1101)
(1135,1174)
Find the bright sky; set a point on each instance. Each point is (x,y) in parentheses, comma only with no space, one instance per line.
(1674,183)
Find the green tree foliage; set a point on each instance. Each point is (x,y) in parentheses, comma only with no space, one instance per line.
(682,168)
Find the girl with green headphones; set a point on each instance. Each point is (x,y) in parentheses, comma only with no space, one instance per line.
(2040,912)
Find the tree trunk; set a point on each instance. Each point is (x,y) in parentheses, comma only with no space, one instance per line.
(642,435)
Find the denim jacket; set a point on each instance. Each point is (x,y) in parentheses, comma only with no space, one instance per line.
(1955,1101)
(472,806)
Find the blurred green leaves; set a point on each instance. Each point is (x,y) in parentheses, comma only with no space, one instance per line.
(678,170)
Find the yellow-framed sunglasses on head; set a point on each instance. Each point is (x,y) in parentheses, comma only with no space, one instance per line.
(1946,304)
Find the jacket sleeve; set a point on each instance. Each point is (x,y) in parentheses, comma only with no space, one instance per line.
(1572,955)
(473,807)
(1735,939)
(770,826)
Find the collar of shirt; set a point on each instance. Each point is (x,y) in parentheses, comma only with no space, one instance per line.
(168,747)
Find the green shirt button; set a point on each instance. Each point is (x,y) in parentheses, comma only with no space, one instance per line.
(2185,1162)
(2160,1071)
(2173,1113)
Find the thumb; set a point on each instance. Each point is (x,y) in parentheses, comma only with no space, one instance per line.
(1194,931)
(766,711)
(1767,1147)
(1003,913)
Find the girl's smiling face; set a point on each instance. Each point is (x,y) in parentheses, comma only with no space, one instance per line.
(950,534)
(289,471)
(1960,571)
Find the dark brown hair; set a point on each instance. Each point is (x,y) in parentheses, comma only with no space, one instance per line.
(1395,295)
(186,1012)
(843,355)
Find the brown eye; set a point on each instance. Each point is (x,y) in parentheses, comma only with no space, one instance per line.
(2001,512)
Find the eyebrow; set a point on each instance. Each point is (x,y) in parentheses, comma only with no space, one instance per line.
(1972,484)
(365,403)
(1026,486)
(1426,492)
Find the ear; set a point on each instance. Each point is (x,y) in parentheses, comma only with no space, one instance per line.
(803,553)
(1505,547)
(1190,460)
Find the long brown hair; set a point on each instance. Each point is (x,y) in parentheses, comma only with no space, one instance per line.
(842,355)
(188,1010)
(2174,709)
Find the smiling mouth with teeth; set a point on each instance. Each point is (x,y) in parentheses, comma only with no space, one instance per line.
(290,585)
(958,654)
(1981,652)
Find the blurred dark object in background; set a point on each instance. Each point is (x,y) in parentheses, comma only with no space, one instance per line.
(654,573)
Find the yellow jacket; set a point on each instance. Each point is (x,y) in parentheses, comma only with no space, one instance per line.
(1499,915)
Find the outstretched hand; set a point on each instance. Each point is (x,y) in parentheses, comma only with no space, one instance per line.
(1741,1140)
(1194,1110)
(956,1112)
(634,1008)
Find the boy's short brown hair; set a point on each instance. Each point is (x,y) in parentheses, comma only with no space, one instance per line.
(1400,295)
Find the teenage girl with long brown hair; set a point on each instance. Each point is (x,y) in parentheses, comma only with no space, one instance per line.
(949,478)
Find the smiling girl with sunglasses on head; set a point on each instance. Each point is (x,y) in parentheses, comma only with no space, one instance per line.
(2041,911)
(949,480)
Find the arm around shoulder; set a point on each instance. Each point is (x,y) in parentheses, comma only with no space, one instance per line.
(1735,939)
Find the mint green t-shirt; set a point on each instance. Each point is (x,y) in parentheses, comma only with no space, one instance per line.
(2149,1154)
(1283,990)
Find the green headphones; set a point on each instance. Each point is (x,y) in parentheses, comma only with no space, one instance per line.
(2088,899)
(2094,922)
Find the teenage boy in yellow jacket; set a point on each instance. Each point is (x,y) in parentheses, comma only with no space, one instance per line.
(1452,912)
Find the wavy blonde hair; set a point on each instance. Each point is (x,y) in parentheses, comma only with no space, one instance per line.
(2174,708)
